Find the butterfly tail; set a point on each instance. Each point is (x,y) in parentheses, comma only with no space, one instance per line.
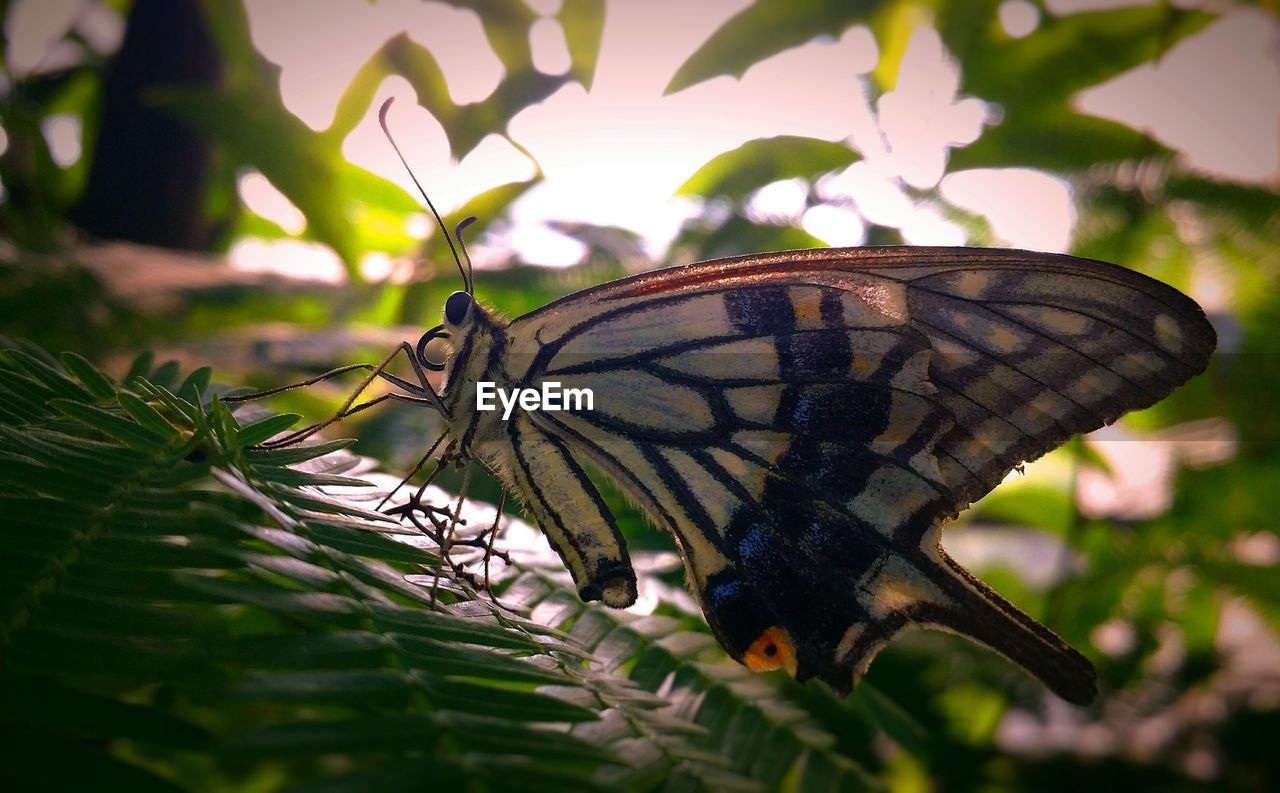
(981,614)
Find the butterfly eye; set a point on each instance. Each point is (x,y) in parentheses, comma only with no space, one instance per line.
(456,307)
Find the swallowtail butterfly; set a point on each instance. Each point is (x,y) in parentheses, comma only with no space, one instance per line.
(804,423)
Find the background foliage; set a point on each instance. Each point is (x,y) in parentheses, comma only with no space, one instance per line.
(180,611)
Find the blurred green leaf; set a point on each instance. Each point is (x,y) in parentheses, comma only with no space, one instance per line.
(1255,207)
(738,236)
(583,23)
(763,29)
(214,603)
(756,163)
(1065,54)
(465,125)
(1055,140)
(1034,78)
(506,24)
(89,375)
(261,134)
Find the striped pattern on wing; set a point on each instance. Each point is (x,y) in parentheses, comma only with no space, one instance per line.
(804,421)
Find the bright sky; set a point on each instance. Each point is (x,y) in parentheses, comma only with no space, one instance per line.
(614,156)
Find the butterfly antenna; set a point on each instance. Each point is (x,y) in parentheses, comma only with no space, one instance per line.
(382,121)
(457,232)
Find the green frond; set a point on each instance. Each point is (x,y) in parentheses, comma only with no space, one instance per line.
(181,610)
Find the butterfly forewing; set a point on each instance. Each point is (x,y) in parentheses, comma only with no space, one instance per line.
(803,422)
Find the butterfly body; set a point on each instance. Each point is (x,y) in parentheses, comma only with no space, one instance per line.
(803,423)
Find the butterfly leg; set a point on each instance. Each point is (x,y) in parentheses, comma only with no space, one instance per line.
(445,536)
(493,538)
(420,393)
(422,461)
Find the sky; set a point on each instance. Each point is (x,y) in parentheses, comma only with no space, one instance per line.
(616,154)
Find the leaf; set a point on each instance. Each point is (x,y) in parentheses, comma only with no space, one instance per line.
(248,117)
(259,133)
(893,26)
(405,57)
(502,737)
(165,397)
(1034,79)
(40,702)
(36,759)
(739,235)
(146,416)
(381,733)
(449,660)
(265,428)
(448,628)
(216,594)
(24,393)
(487,207)
(583,24)
(464,125)
(756,163)
(371,545)
(295,478)
(763,29)
(500,702)
(1257,208)
(165,374)
(506,25)
(292,455)
(75,655)
(361,687)
(1063,55)
(336,609)
(314,651)
(1056,140)
(140,367)
(131,434)
(400,775)
(894,720)
(195,385)
(48,375)
(98,383)
(1256,582)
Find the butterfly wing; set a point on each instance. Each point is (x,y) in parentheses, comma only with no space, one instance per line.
(803,423)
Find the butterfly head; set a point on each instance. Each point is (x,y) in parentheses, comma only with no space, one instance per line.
(459,315)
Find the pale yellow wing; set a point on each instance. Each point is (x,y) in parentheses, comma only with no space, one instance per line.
(803,422)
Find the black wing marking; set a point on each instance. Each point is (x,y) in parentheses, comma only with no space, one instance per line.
(804,422)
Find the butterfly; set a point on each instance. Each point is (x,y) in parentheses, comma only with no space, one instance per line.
(804,424)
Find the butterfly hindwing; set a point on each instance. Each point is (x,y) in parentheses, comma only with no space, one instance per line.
(804,423)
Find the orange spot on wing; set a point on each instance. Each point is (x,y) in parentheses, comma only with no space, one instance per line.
(806,304)
(772,650)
